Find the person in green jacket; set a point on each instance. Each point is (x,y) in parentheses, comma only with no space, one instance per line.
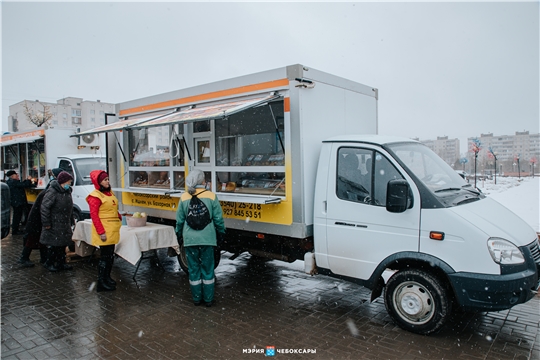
(199,244)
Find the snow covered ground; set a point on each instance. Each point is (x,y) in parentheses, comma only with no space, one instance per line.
(522,196)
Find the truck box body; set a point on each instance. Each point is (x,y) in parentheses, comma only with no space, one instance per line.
(310,106)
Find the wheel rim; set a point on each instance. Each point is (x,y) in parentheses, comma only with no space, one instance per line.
(414,303)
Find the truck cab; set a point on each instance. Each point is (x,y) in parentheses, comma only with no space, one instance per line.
(80,166)
(391,208)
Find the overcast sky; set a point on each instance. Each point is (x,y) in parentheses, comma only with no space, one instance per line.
(457,69)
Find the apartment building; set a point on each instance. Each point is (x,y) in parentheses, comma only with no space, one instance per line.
(507,148)
(69,112)
(447,149)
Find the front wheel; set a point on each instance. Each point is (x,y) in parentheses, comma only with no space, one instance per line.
(182,258)
(417,301)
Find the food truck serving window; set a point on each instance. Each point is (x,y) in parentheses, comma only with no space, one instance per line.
(250,144)
(238,144)
(150,157)
(251,138)
(27,158)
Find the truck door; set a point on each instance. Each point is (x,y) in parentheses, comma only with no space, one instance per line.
(360,231)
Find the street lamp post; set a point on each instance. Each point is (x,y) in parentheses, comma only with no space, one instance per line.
(492,154)
(519,169)
(534,160)
(475,147)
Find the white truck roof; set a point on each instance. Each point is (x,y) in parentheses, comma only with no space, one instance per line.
(81,156)
(372,139)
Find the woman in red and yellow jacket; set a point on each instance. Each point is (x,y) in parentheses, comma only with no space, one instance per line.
(106,223)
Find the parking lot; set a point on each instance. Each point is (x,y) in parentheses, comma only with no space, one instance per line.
(261,306)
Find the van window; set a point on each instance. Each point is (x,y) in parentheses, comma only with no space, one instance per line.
(354,174)
(66,166)
(363,175)
(430,169)
(384,171)
(81,168)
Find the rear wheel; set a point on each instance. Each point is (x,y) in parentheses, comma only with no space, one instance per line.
(182,258)
(417,301)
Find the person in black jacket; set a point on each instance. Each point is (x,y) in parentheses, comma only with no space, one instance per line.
(18,198)
(56,214)
(32,231)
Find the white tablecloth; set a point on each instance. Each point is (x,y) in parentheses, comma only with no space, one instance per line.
(133,240)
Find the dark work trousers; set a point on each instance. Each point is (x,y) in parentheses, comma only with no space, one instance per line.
(18,212)
(201,272)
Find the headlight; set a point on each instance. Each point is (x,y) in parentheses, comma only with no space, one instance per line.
(504,252)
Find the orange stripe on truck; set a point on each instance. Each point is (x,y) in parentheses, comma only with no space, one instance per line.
(207,96)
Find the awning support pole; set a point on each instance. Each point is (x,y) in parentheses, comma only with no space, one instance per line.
(277,130)
(120,147)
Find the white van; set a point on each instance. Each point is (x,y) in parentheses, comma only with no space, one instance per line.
(391,205)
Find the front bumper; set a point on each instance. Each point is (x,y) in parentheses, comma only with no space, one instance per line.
(516,284)
(482,292)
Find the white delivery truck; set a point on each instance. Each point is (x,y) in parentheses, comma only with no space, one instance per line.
(386,213)
(35,152)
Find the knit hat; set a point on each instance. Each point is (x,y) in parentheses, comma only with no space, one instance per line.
(103,175)
(64,177)
(10,172)
(56,172)
(194,178)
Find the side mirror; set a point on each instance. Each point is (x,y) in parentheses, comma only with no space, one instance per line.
(397,196)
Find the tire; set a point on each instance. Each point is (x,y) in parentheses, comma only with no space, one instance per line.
(417,301)
(182,258)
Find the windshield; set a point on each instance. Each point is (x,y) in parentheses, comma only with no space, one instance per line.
(84,166)
(436,174)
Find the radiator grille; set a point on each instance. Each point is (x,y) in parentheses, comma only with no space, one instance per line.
(535,251)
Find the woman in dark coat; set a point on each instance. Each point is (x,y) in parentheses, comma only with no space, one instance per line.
(32,231)
(56,213)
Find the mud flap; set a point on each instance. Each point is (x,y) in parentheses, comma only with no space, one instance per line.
(377,289)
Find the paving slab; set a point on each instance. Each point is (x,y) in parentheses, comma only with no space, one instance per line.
(259,304)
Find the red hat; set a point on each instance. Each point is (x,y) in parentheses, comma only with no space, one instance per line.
(102,175)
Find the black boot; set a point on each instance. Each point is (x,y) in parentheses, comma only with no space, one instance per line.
(51,259)
(61,259)
(102,284)
(24,260)
(108,269)
(42,255)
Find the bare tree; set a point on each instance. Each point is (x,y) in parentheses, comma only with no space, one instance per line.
(38,118)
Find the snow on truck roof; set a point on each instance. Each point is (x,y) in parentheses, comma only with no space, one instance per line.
(81,156)
(371,139)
